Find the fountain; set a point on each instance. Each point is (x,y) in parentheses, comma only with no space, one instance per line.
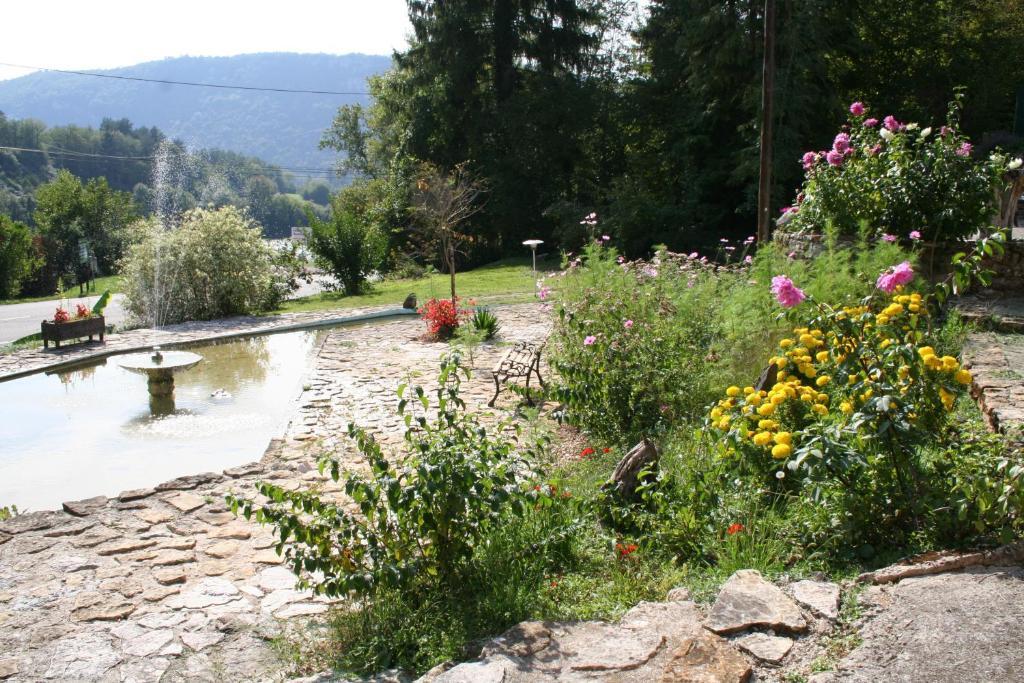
(160,369)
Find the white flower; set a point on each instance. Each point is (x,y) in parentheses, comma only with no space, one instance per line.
(1015,164)
(911,126)
(886,134)
(926,132)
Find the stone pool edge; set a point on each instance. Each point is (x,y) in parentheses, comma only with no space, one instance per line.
(221,336)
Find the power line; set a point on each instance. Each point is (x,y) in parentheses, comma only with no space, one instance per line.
(59,154)
(161,81)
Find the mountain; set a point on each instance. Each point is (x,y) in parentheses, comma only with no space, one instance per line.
(280,128)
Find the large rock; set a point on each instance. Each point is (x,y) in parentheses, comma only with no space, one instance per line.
(82,657)
(208,592)
(948,628)
(748,601)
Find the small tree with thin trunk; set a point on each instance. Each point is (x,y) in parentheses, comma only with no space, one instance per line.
(442,202)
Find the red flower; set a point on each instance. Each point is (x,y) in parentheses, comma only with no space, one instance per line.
(81,311)
(60,315)
(607,450)
(734,529)
(442,317)
(624,551)
(588,451)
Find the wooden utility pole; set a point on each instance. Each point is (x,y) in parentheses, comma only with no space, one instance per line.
(764,189)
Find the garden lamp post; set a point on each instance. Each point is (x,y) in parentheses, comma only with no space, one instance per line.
(532,244)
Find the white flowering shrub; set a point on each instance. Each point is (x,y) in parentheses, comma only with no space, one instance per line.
(214,264)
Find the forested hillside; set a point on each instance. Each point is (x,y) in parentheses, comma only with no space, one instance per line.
(126,157)
(280,128)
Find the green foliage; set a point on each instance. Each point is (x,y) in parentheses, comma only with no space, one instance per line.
(419,522)
(347,245)
(8,511)
(986,479)
(631,344)
(214,264)
(486,322)
(18,257)
(70,215)
(899,178)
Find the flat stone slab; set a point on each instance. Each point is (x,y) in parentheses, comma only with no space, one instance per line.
(84,508)
(186,502)
(771,649)
(821,597)
(189,482)
(948,628)
(706,658)
(748,601)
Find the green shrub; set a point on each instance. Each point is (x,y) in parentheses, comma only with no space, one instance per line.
(348,245)
(214,264)
(485,322)
(418,521)
(8,511)
(18,257)
(631,342)
(897,179)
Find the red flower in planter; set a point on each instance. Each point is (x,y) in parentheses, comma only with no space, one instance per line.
(61,315)
(81,311)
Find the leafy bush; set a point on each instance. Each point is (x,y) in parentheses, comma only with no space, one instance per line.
(442,316)
(632,341)
(860,393)
(419,521)
(8,511)
(18,257)
(485,322)
(348,245)
(898,179)
(214,264)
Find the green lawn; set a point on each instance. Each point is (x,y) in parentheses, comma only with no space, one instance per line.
(111,282)
(507,281)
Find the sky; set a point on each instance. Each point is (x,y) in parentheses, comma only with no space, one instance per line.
(103,34)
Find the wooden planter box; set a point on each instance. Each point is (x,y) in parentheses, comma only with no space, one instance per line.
(73,329)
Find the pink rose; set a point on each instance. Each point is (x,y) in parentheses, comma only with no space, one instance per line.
(857,109)
(808,160)
(589,340)
(889,238)
(841,143)
(892,124)
(915,235)
(895,277)
(870,123)
(628,324)
(786,293)
(964,150)
(834,158)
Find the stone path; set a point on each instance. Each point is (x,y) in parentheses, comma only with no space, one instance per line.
(949,628)
(165,583)
(997,363)
(36,358)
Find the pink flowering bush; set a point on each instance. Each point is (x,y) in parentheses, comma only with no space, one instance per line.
(632,343)
(896,179)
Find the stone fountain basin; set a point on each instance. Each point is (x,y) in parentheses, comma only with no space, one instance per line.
(171,363)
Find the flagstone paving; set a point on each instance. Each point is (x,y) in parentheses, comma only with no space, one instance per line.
(165,583)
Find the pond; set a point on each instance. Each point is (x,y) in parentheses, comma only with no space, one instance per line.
(89,431)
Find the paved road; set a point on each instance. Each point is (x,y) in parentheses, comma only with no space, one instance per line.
(21,320)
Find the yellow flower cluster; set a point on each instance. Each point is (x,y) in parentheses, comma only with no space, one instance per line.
(803,366)
(946,364)
(748,413)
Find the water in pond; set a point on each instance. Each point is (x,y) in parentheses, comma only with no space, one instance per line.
(89,431)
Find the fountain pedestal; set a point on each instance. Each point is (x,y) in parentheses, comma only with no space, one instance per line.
(160,369)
